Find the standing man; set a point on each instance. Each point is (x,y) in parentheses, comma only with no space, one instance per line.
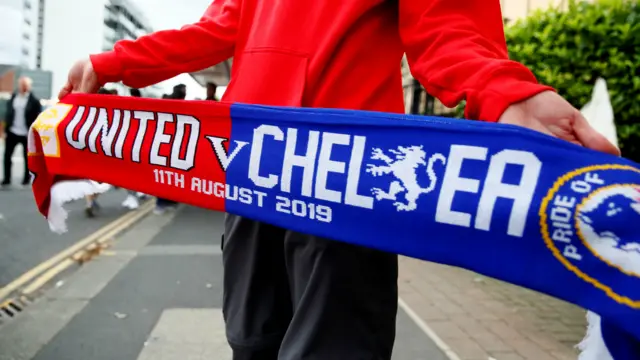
(179,92)
(22,110)
(135,92)
(132,201)
(92,206)
(292,296)
(163,205)
(211,91)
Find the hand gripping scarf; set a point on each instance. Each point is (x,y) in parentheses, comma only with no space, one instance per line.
(496,199)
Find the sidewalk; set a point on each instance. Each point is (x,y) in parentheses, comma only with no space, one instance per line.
(481,318)
(156,294)
(17,161)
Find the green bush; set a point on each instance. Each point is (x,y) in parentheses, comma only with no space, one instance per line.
(570,49)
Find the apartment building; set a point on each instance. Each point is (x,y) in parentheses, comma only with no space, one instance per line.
(66,38)
(18,29)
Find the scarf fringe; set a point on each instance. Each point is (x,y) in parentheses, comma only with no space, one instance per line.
(592,347)
(599,114)
(66,191)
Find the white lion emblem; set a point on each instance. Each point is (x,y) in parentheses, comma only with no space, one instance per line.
(403,166)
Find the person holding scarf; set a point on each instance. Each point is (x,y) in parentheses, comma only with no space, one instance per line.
(288,295)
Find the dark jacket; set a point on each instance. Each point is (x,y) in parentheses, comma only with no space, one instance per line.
(31,112)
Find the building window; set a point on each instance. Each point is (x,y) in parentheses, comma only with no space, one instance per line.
(26,36)
(27,4)
(27,21)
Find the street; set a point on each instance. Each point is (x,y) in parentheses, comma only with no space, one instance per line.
(24,234)
(155,293)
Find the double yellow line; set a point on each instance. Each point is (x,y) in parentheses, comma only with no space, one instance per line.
(35,278)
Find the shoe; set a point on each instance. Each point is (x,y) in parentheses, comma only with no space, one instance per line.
(91,210)
(5,183)
(131,202)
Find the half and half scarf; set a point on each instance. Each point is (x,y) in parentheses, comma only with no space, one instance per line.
(496,199)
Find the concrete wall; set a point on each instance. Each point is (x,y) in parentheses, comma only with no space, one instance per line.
(41,81)
(517,9)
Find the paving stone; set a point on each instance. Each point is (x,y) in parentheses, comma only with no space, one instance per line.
(480,317)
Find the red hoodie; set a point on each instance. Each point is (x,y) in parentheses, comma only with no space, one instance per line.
(337,53)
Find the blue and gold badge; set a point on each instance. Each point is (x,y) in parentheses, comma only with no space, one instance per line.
(589,220)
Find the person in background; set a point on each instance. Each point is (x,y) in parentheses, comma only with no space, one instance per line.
(92,206)
(163,205)
(211,91)
(179,92)
(22,110)
(132,201)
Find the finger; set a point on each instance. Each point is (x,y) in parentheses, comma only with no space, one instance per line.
(66,90)
(592,139)
(531,125)
(86,87)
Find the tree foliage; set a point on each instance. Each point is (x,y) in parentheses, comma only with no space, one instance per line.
(570,49)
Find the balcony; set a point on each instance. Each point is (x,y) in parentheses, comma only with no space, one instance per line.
(111,22)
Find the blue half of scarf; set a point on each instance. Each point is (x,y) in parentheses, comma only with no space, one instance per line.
(500,200)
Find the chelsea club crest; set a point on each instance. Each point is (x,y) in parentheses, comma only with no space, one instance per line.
(589,220)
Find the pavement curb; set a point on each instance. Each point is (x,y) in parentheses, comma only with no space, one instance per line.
(431,334)
(29,282)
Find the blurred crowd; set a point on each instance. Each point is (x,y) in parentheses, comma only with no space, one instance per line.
(22,111)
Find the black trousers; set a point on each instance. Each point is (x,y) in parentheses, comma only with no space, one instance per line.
(10,144)
(291,296)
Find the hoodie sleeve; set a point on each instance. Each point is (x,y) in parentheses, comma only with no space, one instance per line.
(164,54)
(456,49)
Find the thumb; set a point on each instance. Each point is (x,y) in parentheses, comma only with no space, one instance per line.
(590,138)
(66,90)
(89,83)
